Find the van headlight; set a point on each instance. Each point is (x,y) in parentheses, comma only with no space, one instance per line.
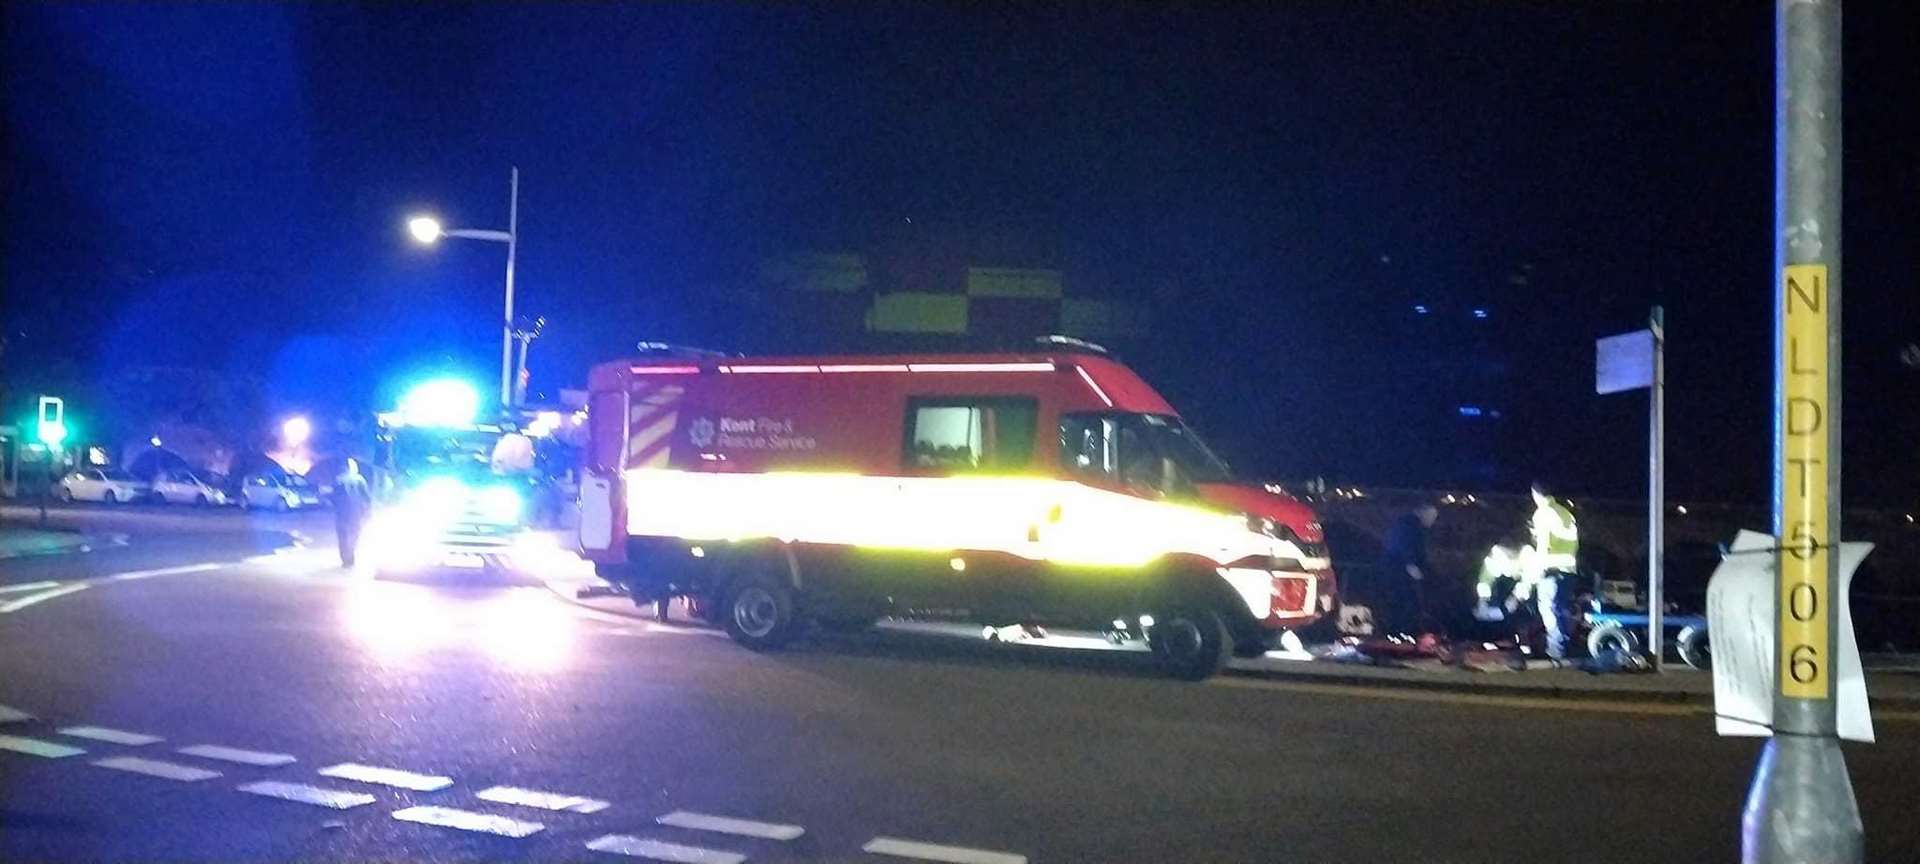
(437,499)
(500,504)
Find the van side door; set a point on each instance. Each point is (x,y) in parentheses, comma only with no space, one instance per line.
(950,446)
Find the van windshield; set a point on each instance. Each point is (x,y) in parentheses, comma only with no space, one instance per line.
(1150,452)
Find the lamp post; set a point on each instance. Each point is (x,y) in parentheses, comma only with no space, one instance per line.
(428,230)
(525,333)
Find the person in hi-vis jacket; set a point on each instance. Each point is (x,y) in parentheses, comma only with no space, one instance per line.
(1553,551)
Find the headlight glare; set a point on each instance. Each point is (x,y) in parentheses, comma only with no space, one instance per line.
(500,504)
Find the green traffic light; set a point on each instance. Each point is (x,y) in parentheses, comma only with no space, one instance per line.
(52,433)
(52,428)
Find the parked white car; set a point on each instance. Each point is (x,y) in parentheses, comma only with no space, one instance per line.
(180,487)
(110,485)
(280,492)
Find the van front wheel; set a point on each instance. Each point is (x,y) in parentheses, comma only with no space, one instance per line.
(759,613)
(1190,644)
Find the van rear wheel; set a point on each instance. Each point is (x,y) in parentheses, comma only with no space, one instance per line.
(759,613)
(1190,644)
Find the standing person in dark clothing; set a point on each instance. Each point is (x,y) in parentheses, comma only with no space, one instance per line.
(1403,573)
(352,499)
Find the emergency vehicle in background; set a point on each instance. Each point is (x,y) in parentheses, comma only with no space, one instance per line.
(455,492)
(1051,488)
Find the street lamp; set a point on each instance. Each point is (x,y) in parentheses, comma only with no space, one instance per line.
(425,229)
(428,230)
(295,431)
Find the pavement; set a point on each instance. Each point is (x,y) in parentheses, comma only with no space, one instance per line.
(211,694)
(18,541)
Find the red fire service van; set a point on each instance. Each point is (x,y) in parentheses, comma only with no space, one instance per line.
(1048,488)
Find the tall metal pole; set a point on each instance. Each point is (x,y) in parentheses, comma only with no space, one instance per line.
(1656,488)
(506,323)
(1800,808)
(520,371)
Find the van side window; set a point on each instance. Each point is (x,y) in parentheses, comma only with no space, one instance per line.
(1110,449)
(1084,445)
(986,434)
(1145,453)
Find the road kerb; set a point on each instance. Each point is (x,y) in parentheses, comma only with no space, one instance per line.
(1488,684)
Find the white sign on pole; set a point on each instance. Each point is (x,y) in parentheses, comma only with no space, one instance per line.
(1623,362)
(1741,604)
(1636,361)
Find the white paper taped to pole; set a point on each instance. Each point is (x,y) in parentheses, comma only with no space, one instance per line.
(1742,603)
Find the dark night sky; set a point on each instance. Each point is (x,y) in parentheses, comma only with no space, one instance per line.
(224,184)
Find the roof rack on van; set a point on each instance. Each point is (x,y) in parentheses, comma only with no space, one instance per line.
(653,349)
(1070,343)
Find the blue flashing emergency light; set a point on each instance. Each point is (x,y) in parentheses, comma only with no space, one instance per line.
(443,402)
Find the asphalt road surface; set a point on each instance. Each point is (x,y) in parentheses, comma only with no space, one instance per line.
(199,698)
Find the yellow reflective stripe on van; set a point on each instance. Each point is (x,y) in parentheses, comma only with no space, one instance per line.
(1038,518)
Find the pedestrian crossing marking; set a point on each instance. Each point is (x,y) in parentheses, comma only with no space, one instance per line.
(157,768)
(657,850)
(305,794)
(936,852)
(729,825)
(37,747)
(387,777)
(462,820)
(234,754)
(542,800)
(111,736)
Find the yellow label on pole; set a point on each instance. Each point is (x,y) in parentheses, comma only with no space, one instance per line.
(1806,646)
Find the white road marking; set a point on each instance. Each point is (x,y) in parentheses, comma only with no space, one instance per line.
(447,817)
(30,586)
(164,571)
(41,597)
(308,794)
(232,754)
(157,768)
(685,630)
(111,736)
(37,747)
(604,617)
(935,852)
(729,825)
(13,715)
(291,561)
(542,800)
(387,777)
(655,850)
